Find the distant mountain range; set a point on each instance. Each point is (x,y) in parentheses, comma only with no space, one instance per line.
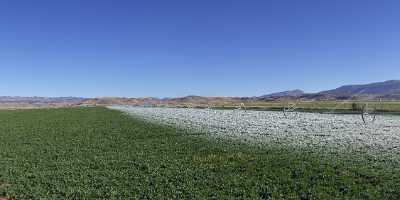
(39,100)
(11,102)
(290,93)
(388,90)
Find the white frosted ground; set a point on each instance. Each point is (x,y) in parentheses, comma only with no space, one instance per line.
(267,127)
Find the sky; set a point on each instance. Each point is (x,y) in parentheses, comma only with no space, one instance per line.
(96,48)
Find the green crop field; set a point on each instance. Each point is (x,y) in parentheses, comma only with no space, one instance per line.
(96,153)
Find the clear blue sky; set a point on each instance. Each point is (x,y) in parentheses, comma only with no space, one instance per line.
(210,47)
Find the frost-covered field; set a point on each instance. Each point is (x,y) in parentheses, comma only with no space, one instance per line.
(340,132)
